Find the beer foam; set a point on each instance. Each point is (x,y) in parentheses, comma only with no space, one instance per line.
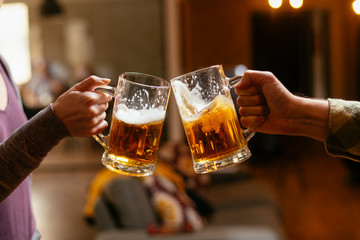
(132,116)
(189,102)
(219,102)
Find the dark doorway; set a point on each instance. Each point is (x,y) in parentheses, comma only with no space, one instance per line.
(286,44)
(283,43)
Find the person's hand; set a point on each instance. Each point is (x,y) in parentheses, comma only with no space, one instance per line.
(81,109)
(267,106)
(263,100)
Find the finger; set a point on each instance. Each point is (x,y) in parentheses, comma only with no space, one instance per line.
(103,107)
(254,78)
(244,101)
(252,122)
(90,83)
(98,118)
(251,91)
(253,111)
(244,83)
(94,98)
(97,110)
(102,98)
(99,128)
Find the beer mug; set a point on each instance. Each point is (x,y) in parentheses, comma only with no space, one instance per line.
(209,118)
(140,103)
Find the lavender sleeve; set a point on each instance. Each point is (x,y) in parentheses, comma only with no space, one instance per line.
(24,150)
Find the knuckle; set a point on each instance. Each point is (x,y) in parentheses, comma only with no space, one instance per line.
(93,122)
(94,131)
(92,113)
(270,74)
(91,99)
(98,128)
(244,122)
(93,78)
(242,111)
(240,100)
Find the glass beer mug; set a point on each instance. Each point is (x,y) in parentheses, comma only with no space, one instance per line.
(211,125)
(138,115)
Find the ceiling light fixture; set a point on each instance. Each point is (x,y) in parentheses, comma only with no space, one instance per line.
(356,6)
(275,3)
(296,3)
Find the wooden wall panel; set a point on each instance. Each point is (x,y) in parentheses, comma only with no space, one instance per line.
(215,33)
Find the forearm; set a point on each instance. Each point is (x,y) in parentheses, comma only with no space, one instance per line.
(24,150)
(311,118)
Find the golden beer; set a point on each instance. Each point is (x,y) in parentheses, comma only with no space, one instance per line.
(215,132)
(134,142)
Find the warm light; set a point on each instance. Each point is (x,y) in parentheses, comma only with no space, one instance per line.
(296,3)
(275,3)
(356,6)
(14,44)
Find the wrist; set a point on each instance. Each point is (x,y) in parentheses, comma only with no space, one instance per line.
(312,118)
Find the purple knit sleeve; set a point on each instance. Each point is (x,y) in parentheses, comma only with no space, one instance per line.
(24,150)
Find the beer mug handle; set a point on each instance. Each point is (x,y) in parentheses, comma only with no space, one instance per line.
(100,138)
(108,90)
(234,80)
(248,133)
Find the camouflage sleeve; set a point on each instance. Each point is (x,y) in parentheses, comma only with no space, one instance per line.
(343,136)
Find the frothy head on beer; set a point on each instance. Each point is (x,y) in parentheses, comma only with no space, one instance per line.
(190,101)
(132,116)
(192,106)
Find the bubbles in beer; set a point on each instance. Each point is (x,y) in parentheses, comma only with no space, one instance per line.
(135,136)
(214,131)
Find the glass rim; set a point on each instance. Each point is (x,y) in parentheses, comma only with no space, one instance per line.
(218,66)
(161,80)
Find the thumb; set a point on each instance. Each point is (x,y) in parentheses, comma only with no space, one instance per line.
(90,83)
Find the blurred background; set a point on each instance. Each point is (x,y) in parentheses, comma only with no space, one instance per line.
(312,46)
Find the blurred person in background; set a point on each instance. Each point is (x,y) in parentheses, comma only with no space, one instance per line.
(47,83)
(267,106)
(79,112)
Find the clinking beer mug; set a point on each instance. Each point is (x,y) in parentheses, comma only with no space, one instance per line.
(137,120)
(211,125)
